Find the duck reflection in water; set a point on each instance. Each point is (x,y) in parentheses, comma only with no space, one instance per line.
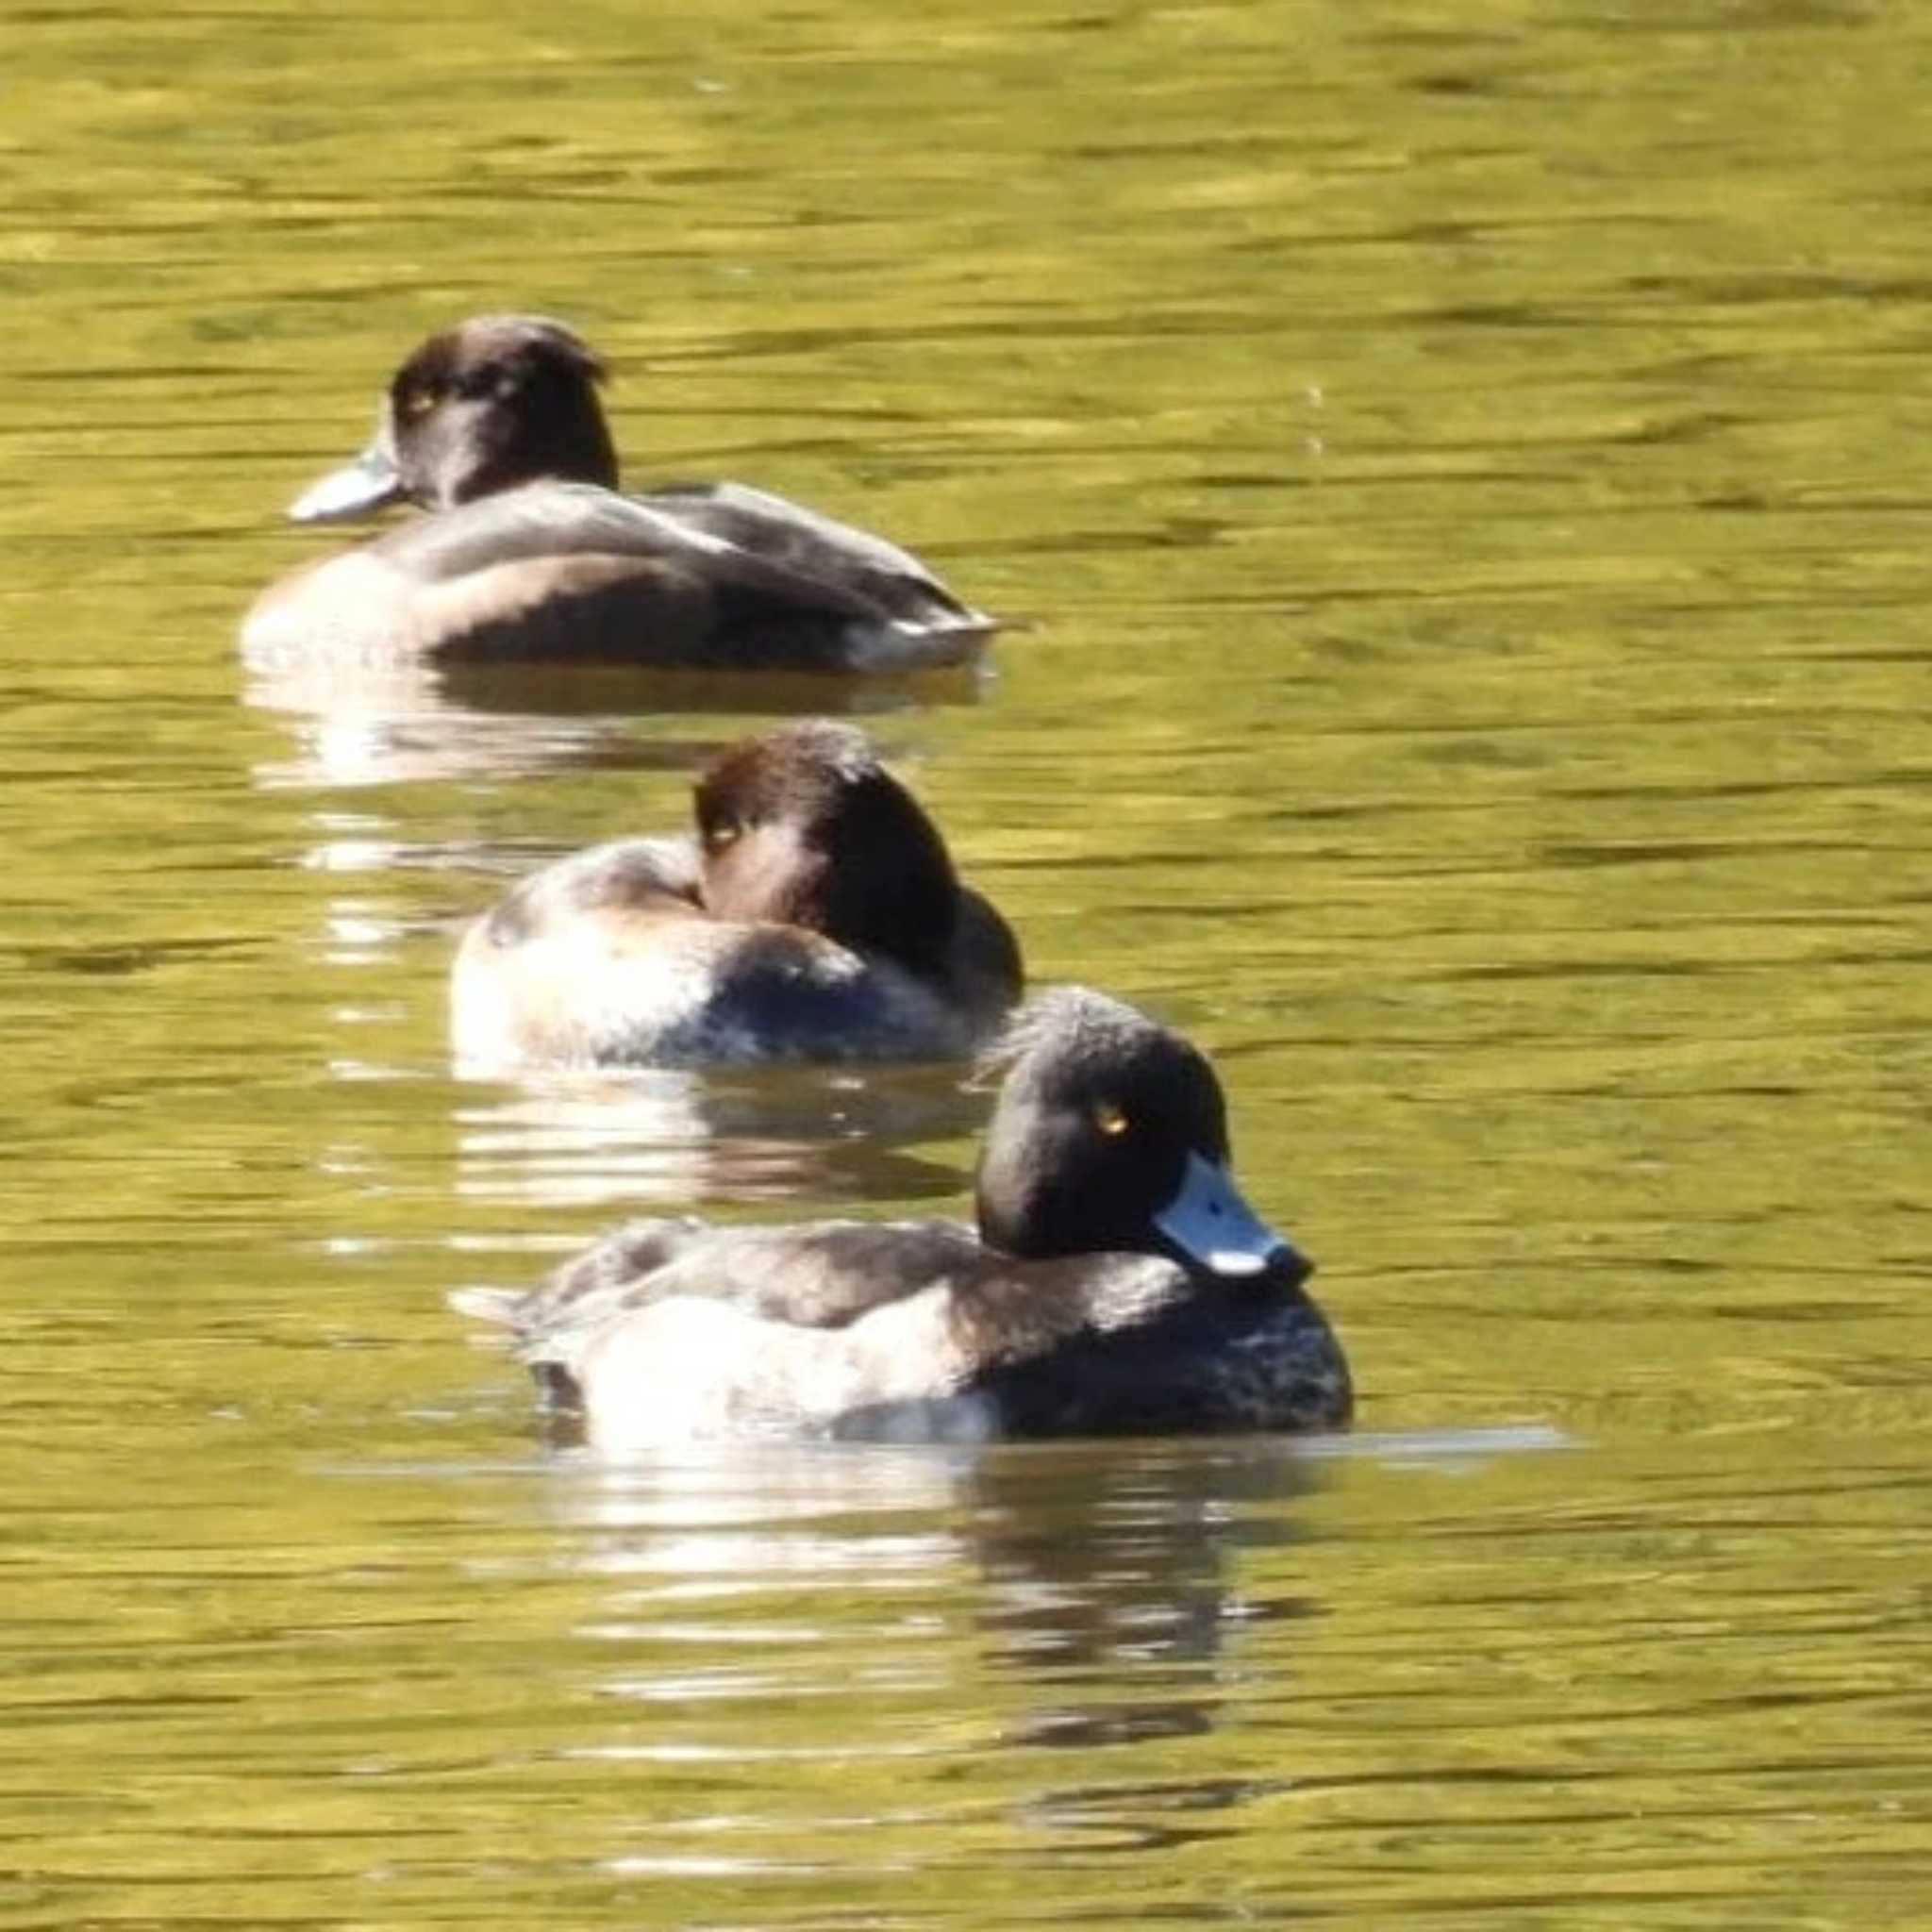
(670,1135)
(1106,1566)
(1116,1283)
(1100,1583)
(404,725)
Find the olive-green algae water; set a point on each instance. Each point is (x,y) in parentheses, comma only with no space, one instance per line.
(1457,476)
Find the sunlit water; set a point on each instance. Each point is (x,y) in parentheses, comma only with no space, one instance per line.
(1457,473)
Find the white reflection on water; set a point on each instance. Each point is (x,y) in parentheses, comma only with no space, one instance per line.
(405,723)
(1077,1547)
(1453,1452)
(671,1135)
(399,724)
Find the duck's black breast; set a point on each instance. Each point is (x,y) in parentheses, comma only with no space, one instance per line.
(1160,1351)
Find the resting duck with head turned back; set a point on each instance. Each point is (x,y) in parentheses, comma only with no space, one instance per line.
(529,552)
(815,914)
(1116,1283)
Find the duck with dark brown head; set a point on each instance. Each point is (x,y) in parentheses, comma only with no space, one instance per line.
(529,552)
(815,914)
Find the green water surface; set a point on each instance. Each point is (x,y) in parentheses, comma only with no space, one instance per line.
(1455,473)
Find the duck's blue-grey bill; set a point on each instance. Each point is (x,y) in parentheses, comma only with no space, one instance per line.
(1207,1219)
(370,483)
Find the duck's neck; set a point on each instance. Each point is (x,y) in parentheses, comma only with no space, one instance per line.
(565,443)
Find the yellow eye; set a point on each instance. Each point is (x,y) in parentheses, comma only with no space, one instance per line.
(721,835)
(1110,1120)
(418,402)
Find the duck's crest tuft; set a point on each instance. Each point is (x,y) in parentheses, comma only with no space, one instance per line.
(1073,1019)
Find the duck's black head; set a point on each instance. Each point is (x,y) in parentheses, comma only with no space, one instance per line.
(803,825)
(1110,1135)
(498,401)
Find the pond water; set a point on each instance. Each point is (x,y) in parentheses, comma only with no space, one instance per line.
(1457,475)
